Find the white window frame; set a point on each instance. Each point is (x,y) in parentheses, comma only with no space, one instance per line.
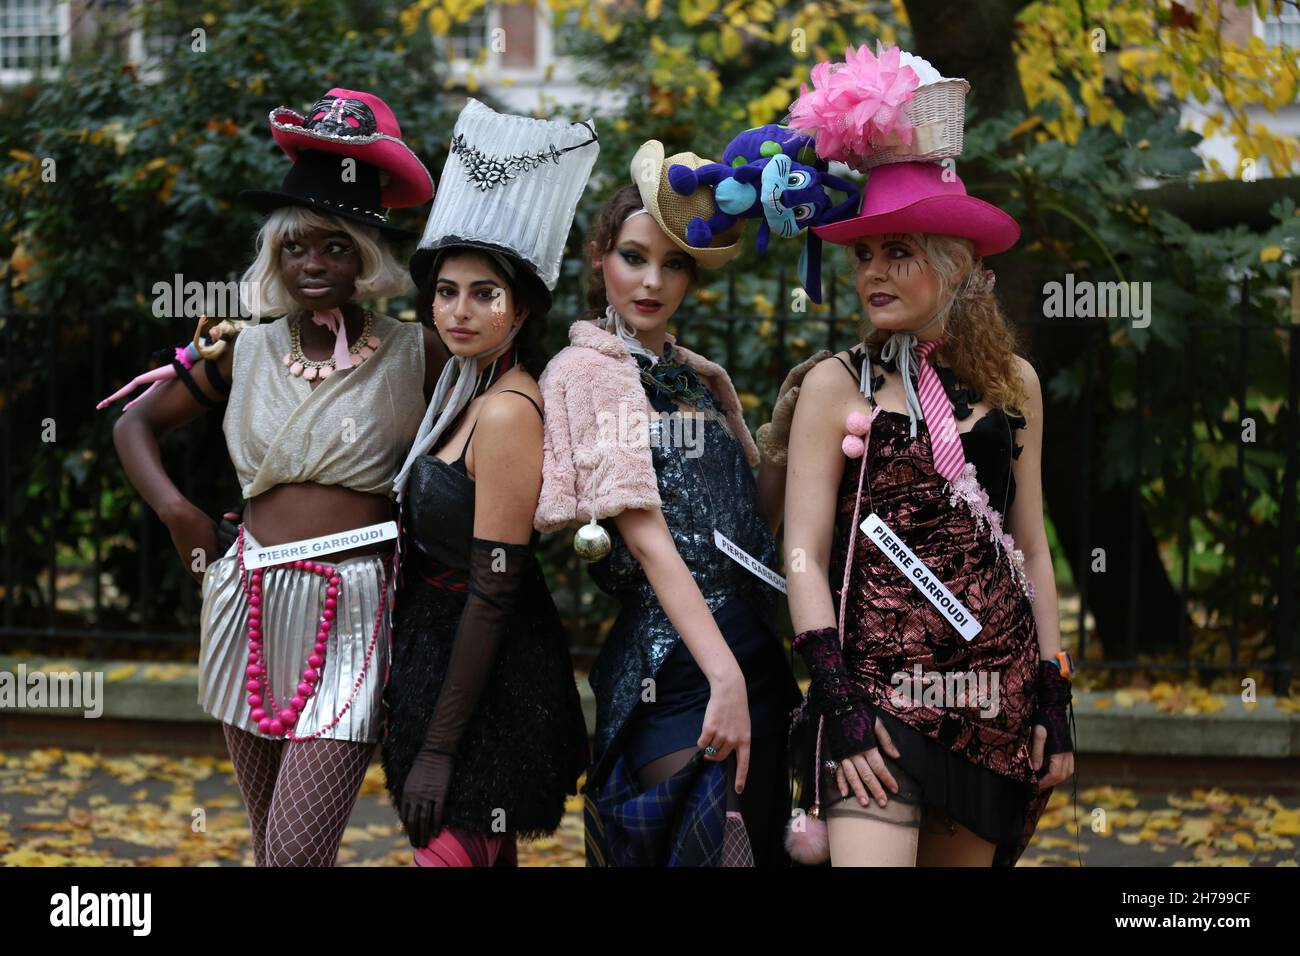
(1290,17)
(10,76)
(136,53)
(543,45)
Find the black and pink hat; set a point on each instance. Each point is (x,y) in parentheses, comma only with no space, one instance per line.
(346,124)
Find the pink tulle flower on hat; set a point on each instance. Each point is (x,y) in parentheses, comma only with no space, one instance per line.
(857,105)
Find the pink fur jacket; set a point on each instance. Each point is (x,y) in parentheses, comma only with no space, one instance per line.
(596,457)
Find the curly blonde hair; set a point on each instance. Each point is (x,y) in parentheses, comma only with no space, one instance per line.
(979,345)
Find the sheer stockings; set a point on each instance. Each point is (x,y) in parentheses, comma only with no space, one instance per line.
(762,808)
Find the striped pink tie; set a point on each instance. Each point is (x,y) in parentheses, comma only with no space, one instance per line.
(945,443)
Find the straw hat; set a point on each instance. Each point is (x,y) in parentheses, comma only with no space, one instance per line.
(673,211)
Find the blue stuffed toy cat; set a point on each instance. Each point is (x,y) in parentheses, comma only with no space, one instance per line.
(770,173)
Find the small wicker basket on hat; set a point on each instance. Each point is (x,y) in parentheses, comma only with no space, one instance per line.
(938,116)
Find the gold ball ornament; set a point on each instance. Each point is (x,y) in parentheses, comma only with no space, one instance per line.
(592,542)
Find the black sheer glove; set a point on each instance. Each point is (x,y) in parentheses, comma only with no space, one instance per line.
(425,794)
(228,530)
(1052,710)
(850,719)
(496,575)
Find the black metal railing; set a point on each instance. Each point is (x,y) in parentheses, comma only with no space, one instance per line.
(757,349)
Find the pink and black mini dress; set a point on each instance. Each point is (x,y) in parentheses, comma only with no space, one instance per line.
(970,761)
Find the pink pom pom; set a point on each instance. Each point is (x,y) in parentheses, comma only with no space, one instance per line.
(857,423)
(808,844)
(853,446)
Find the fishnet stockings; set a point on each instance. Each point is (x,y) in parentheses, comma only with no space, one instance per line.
(299,794)
(257,763)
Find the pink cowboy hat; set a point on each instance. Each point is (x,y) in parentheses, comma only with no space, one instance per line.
(913,197)
(360,125)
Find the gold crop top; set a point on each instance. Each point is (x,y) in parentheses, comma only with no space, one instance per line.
(353,430)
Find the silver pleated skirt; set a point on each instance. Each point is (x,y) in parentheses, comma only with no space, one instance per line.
(292,601)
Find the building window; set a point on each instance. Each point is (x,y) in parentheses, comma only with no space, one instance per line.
(568,31)
(470,38)
(31,37)
(1283,28)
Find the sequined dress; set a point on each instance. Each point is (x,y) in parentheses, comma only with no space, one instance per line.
(705,484)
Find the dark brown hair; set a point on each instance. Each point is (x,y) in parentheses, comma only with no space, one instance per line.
(526,290)
(604,231)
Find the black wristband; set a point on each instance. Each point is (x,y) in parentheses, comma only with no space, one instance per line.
(214,377)
(183,374)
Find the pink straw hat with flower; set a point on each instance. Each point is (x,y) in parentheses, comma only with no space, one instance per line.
(892,116)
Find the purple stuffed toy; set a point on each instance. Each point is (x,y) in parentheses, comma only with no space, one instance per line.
(770,173)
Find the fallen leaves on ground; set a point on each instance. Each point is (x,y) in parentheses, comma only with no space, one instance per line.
(72,808)
(1213,827)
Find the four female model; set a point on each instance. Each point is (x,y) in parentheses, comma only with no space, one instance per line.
(914,542)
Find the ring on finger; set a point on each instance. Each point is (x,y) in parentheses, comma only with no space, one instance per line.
(710,751)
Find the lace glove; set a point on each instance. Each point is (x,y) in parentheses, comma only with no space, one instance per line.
(1053,710)
(850,719)
(496,574)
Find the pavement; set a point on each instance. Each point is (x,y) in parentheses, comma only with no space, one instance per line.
(81,808)
(1170,774)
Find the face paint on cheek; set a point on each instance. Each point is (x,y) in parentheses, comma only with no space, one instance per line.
(498,308)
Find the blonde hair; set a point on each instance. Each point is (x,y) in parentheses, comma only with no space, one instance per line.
(381,277)
(978,343)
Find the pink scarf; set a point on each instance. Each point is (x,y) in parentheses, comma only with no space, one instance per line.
(332,319)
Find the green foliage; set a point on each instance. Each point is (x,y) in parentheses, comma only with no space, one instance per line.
(1192,375)
(147,174)
(146,179)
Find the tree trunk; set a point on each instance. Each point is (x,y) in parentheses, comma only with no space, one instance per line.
(974,41)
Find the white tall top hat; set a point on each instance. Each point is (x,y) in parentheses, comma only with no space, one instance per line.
(511,183)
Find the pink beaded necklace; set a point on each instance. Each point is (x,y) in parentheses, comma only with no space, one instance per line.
(279,720)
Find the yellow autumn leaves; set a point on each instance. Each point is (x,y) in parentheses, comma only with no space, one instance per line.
(1060,48)
(71,808)
(1211,823)
(1191,58)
